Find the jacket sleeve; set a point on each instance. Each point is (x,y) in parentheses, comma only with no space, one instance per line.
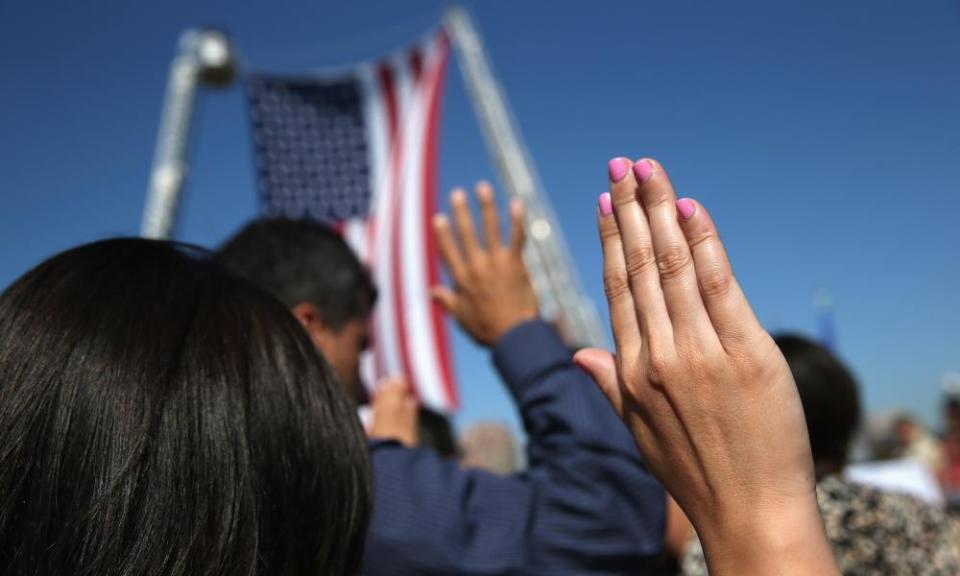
(586,504)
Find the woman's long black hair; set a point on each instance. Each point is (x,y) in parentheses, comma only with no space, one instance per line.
(159,416)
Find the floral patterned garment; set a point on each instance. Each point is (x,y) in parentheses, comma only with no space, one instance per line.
(875,532)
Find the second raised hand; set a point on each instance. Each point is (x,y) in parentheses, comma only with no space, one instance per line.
(491,290)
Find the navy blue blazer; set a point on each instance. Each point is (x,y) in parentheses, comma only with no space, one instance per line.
(585,505)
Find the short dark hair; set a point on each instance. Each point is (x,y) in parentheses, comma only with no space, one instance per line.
(302,261)
(829,393)
(160,416)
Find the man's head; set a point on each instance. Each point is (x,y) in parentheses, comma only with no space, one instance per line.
(831,399)
(309,267)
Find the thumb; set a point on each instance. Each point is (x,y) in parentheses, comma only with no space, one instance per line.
(602,367)
(444,297)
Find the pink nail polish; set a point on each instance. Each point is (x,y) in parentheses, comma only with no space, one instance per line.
(686,207)
(617,168)
(643,170)
(606,206)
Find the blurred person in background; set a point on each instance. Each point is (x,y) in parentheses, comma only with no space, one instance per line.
(489,446)
(877,439)
(912,441)
(879,458)
(333,308)
(871,531)
(950,475)
(586,505)
(311,269)
(159,416)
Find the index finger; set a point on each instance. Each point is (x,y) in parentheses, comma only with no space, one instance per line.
(616,286)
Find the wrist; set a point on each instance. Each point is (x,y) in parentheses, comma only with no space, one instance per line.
(787,538)
(529,350)
(509,326)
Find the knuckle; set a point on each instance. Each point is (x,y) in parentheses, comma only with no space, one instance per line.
(609,233)
(479,264)
(471,279)
(615,284)
(639,259)
(622,196)
(626,367)
(659,369)
(655,197)
(672,261)
(715,283)
(700,238)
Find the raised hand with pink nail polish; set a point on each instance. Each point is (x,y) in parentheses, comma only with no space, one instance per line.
(700,384)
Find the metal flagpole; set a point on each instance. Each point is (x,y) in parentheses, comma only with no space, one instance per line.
(551,268)
(203,56)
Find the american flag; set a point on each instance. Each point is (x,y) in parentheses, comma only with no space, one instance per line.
(359,150)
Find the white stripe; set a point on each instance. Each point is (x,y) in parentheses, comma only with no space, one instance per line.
(434,346)
(433,338)
(413,105)
(387,329)
(421,339)
(375,120)
(376,137)
(355,234)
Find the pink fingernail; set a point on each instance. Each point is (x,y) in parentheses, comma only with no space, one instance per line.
(643,170)
(606,207)
(617,168)
(686,207)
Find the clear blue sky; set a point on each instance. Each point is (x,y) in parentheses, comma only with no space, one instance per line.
(824,136)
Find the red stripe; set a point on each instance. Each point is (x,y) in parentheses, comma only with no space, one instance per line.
(376,352)
(441,337)
(416,63)
(396,279)
(388,96)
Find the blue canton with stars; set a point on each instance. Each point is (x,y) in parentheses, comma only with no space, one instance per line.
(311,150)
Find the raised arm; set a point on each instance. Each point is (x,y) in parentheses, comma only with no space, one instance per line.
(700,384)
(494,302)
(586,504)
